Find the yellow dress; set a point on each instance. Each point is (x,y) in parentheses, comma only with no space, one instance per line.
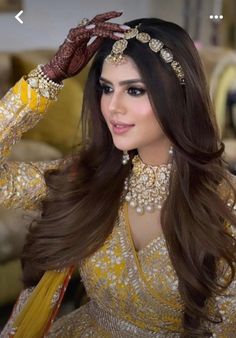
(132,294)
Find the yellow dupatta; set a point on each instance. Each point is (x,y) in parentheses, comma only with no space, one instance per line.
(42,306)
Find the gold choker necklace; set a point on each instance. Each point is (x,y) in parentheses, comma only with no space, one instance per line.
(147,186)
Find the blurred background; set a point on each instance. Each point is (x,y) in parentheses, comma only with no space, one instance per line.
(210,23)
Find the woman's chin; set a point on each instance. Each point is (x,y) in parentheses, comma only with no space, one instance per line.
(123,147)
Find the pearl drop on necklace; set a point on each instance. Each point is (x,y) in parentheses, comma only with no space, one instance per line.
(147,187)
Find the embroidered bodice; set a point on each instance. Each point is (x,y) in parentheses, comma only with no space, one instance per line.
(137,287)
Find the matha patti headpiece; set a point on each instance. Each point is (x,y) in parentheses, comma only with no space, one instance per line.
(157,46)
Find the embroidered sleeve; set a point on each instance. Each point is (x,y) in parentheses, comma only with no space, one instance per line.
(21,184)
(8,330)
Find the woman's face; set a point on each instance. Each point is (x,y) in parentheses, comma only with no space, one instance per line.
(125,100)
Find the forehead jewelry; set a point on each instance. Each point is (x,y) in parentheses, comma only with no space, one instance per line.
(116,56)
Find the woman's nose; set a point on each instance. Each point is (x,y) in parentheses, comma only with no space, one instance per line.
(116,103)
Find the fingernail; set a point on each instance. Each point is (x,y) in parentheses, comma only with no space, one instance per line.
(90,26)
(120,35)
(124,27)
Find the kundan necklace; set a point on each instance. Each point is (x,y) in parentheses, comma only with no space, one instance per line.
(147,186)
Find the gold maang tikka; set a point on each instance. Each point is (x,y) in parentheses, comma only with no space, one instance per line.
(117,57)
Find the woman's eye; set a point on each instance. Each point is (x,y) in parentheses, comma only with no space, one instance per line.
(134,91)
(105,89)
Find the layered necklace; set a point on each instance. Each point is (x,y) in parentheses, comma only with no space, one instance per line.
(147,187)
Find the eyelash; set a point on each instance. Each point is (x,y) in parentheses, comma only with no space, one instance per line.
(141,90)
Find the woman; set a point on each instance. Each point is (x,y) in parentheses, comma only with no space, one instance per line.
(145,210)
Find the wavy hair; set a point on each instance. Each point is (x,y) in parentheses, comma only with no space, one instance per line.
(77,215)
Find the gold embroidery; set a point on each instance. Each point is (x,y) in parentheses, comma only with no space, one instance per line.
(134,294)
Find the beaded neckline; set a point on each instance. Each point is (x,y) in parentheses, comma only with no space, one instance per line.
(150,245)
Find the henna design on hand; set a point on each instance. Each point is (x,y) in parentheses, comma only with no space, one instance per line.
(74,54)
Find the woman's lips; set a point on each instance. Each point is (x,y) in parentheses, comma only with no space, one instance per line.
(121,129)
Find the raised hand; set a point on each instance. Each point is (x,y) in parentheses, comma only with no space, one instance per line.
(75,53)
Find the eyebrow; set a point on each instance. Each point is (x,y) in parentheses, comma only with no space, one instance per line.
(122,83)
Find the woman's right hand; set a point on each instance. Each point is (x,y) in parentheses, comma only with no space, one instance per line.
(75,53)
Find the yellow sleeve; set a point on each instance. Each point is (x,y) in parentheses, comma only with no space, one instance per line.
(21,184)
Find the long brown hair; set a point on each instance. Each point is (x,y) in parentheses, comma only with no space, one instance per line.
(85,195)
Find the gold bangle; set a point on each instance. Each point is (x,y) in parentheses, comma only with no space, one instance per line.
(42,84)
